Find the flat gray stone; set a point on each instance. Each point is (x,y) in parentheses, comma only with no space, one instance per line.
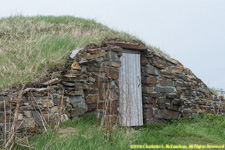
(113,56)
(164,89)
(154,95)
(74,84)
(166,82)
(179,84)
(165,114)
(164,100)
(79,106)
(75,100)
(151,70)
(74,52)
(75,112)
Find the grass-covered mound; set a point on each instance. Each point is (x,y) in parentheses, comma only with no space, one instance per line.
(82,134)
(29,45)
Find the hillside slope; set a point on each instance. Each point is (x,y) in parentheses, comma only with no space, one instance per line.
(30,45)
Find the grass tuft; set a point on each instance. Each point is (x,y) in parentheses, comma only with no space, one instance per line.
(214,91)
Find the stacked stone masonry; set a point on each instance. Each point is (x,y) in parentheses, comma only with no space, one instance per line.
(172,91)
(169,90)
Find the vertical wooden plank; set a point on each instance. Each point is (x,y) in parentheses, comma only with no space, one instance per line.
(131,113)
(139,91)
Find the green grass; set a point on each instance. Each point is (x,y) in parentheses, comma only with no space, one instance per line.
(28,45)
(214,91)
(202,130)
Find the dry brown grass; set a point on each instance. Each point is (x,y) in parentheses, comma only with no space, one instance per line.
(29,44)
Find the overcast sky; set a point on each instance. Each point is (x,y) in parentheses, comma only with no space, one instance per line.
(192,31)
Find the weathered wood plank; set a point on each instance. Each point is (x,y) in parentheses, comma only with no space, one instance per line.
(131,113)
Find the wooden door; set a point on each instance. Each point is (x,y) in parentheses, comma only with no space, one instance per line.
(131,111)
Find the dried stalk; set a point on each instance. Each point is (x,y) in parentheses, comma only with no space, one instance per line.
(129,107)
(105,104)
(126,105)
(25,146)
(108,114)
(49,143)
(23,143)
(97,111)
(41,115)
(121,107)
(110,119)
(58,120)
(12,139)
(106,108)
(5,124)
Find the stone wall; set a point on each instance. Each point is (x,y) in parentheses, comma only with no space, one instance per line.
(92,83)
(38,107)
(99,68)
(172,91)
